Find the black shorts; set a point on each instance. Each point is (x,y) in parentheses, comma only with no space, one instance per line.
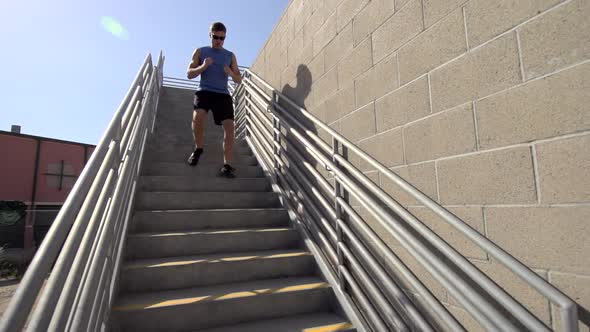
(220,104)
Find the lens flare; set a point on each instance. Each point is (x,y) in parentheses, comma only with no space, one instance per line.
(115,28)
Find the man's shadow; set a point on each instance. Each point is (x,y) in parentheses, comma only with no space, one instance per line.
(298,94)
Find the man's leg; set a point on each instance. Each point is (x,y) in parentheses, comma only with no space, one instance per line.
(199,118)
(228,141)
(198,125)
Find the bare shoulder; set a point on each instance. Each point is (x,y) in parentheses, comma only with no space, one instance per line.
(196,53)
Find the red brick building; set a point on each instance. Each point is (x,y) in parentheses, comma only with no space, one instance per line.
(39,172)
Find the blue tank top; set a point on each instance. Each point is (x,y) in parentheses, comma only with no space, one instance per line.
(214,77)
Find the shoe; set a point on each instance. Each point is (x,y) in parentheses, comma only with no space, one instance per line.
(194,158)
(227,171)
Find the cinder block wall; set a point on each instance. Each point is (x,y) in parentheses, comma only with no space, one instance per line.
(483,105)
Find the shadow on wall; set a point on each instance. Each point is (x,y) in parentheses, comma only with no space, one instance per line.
(299,94)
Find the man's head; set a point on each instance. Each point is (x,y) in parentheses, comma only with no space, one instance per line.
(217,34)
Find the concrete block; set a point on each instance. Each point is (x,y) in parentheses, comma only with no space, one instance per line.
(497,177)
(339,47)
(377,81)
(317,68)
(552,238)
(289,74)
(386,148)
(295,48)
(434,10)
(302,14)
(347,10)
(355,63)
(370,17)
(340,104)
(307,53)
(360,124)
(312,26)
(549,107)
(556,40)
(397,30)
(326,85)
(435,46)
(489,69)
(471,215)
(325,34)
(487,19)
(399,4)
(445,134)
(408,103)
(577,287)
(564,170)
(422,176)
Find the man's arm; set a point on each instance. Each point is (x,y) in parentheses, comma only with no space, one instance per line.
(195,68)
(233,70)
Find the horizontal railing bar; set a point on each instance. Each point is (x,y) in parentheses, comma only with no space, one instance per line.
(374,320)
(473,302)
(432,260)
(329,228)
(569,308)
(322,181)
(21,304)
(399,266)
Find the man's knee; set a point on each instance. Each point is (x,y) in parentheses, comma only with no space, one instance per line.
(199,116)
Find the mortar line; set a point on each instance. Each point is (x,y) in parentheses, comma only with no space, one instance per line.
(404,159)
(485,228)
(429,93)
(536,173)
(437,182)
(399,83)
(488,41)
(475,124)
(465,27)
(520,60)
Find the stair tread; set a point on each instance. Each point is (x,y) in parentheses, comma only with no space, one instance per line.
(211,231)
(213,258)
(316,322)
(212,210)
(185,296)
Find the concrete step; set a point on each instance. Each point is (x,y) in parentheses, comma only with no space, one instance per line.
(213,306)
(165,221)
(201,170)
(209,157)
(193,183)
(166,135)
(191,271)
(205,200)
(196,242)
(315,322)
(165,132)
(185,148)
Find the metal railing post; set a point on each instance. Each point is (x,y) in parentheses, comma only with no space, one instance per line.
(338,211)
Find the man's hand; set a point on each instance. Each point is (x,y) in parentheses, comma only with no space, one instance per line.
(228,71)
(208,62)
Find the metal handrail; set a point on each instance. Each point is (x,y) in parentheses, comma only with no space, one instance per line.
(87,237)
(183,83)
(253,103)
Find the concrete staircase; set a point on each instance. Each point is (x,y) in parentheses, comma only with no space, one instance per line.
(212,254)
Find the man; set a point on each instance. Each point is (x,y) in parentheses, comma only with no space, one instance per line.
(214,64)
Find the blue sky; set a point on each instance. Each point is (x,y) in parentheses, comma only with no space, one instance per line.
(63,75)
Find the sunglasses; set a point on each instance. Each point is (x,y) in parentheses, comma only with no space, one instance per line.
(218,37)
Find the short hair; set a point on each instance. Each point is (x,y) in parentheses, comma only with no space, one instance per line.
(218,26)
